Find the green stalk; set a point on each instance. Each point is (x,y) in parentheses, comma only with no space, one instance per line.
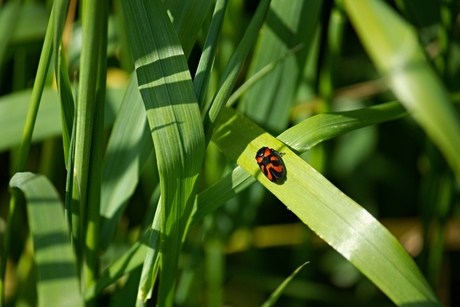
(90,103)
(85,115)
(331,58)
(203,72)
(62,75)
(97,147)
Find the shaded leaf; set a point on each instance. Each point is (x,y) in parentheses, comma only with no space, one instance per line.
(58,282)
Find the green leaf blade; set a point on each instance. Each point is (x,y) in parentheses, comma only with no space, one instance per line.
(233,68)
(175,124)
(129,145)
(13,114)
(394,47)
(271,301)
(58,283)
(269,101)
(336,218)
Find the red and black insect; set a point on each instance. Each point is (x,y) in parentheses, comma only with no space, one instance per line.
(271,164)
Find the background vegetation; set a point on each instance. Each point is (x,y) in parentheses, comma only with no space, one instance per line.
(128,131)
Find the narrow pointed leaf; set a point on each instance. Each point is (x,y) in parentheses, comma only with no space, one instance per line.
(203,72)
(277,293)
(336,218)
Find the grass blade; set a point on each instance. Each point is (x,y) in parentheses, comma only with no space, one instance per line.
(187,18)
(127,150)
(58,283)
(13,114)
(203,72)
(318,128)
(271,301)
(394,47)
(269,101)
(299,138)
(130,142)
(336,218)
(62,76)
(26,140)
(99,18)
(233,68)
(175,124)
(326,126)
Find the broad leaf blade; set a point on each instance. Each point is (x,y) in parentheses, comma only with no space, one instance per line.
(187,18)
(336,218)
(130,141)
(300,138)
(58,283)
(175,124)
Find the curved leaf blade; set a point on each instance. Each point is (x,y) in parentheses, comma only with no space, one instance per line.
(394,47)
(58,283)
(299,138)
(336,218)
